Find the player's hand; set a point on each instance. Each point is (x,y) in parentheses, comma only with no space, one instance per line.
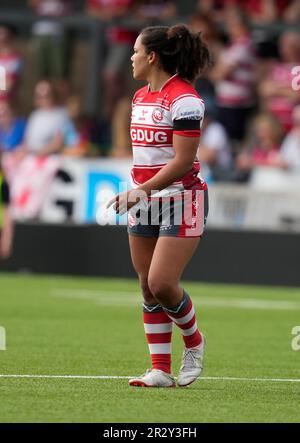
(125,200)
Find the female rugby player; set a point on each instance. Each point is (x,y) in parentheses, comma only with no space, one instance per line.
(168,205)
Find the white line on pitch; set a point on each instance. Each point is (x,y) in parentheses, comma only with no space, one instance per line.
(113,377)
(122,298)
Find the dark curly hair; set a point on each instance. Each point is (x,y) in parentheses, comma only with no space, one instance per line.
(180,50)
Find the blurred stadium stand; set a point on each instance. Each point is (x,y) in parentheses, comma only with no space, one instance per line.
(86,61)
(253,232)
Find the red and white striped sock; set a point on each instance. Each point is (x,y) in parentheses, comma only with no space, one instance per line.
(158,329)
(183,315)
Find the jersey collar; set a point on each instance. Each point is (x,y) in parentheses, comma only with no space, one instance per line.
(166,83)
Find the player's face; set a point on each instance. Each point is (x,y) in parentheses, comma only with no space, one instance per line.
(140,60)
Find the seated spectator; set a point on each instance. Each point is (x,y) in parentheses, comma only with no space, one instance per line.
(11,61)
(234,77)
(48,131)
(33,166)
(276,93)
(262,149)
(49,128)
(214,149)
(11,128)
(290,148)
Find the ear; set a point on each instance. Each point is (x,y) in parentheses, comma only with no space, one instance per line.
(152,58)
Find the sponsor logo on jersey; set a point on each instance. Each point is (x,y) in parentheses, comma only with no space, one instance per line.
(191,115)
(148,136)
(144,112)
(157,115)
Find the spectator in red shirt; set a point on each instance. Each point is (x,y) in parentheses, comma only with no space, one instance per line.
(234,76)
(12,62)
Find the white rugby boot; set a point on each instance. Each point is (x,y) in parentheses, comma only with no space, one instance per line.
(153,378)
(192,364)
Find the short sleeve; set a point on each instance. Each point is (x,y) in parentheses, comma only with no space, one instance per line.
(187,115)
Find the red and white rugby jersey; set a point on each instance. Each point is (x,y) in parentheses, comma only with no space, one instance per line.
(175,109)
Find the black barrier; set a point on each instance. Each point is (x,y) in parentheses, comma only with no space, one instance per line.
(91,250)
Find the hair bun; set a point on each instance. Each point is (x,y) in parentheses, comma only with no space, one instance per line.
(178,31)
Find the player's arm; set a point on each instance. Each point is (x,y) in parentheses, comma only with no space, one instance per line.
(7,228)
(187,116)
(185,152)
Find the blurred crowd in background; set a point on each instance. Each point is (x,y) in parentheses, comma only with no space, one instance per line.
(251,90)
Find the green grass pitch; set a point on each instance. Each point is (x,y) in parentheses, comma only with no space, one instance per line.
(90,326)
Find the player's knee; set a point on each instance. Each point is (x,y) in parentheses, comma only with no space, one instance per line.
(160,289)
(147,295)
